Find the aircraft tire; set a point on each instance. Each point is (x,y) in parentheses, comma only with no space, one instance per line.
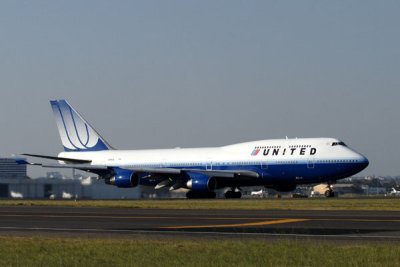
(329,193)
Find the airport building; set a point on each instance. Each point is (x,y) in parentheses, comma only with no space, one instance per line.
(15,183)
(64,188)
(9,168)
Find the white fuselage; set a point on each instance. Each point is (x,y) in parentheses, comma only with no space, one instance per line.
(296,150)
(270,158)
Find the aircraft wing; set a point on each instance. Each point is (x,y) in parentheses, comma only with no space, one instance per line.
(100,169)
(226,173)
(213,173)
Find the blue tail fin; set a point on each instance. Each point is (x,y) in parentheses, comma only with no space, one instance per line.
(76,134)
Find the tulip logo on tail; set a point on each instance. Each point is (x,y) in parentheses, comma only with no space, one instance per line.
(255,152)
(75,133)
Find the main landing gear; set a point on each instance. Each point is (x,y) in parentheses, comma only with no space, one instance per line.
(233,194)
(329,192)
(200,195)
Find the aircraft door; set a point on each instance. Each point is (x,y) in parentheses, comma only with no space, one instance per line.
(311,163)
(209,165)
(264,165)
(163,163)
(264,168)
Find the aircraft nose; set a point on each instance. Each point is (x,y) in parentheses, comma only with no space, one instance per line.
(363,161)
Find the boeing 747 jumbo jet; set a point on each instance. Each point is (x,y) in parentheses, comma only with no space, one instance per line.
(280,164)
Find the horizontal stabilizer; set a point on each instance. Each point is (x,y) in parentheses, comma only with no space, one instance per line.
(69,160)
(82,167)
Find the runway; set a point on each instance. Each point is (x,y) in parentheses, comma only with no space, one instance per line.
(126,222)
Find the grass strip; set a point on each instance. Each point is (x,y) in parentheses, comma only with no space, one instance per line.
(35,251)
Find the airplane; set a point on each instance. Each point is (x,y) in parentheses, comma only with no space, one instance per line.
(16,195)
(259,193)
(394,192)
(66,195)
(280,164)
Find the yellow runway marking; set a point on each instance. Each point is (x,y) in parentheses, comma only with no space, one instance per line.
(237,224)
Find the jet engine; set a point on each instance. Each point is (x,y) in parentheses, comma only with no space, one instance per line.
(124,178)
(200,182)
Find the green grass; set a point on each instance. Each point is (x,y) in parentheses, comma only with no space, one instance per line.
(35,251)
(387,204)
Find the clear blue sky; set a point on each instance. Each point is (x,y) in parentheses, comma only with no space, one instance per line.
(151,74)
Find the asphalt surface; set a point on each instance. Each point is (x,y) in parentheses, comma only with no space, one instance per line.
(127,223)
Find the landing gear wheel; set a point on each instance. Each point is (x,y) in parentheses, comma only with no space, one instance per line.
(329,193)
(200,195)
(233,194)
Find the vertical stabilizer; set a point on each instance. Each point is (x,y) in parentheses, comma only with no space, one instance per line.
(76,134)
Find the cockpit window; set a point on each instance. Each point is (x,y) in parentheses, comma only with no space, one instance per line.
(338,144)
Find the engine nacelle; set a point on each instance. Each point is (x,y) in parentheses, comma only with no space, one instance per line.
(200,182)
(124,178)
